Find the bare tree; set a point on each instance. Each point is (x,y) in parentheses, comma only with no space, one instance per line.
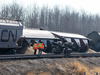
(32,17)
(55,19)
(13,11)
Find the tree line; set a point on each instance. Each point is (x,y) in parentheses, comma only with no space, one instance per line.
(55,18)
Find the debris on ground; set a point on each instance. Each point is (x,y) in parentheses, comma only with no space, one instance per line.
(28,50)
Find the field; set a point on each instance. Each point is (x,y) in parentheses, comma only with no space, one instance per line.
(47,66)
(58,66)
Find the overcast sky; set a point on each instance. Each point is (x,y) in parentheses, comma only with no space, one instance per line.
(90,6)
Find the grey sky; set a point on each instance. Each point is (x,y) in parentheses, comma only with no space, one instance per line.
(90,6)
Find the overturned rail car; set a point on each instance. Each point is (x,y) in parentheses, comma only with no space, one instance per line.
(32,35)
(94,40)
(55,41)
(80,42)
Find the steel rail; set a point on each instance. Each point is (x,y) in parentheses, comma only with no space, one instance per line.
(23,56)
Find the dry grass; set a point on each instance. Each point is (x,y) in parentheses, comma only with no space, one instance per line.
(97,70)
(60,67)
(40,73)
(79,68)
(45,73)
(67,68)
(31,73)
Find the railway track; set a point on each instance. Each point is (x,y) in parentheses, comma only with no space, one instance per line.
(22,56)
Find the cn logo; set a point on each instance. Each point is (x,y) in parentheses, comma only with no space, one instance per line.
(9,34)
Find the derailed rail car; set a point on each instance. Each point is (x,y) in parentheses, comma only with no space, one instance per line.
(32,35)
(80,42)
(56,41)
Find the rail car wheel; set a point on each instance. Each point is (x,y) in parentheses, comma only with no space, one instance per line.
(58,53)
(53,50)
(86,49)
(12,51)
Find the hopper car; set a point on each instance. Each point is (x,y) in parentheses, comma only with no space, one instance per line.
(14,37)
(10,32)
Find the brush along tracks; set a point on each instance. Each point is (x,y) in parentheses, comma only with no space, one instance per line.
(22,56)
